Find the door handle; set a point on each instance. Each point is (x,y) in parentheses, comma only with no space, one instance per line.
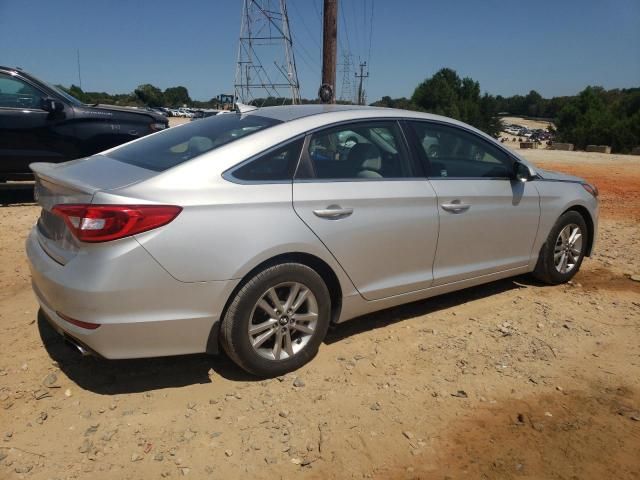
(333,212)
(456,206)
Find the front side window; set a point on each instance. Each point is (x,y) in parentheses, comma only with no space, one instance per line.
(372,150)
(454,152)
(177,145)
(277,165)
(15,93)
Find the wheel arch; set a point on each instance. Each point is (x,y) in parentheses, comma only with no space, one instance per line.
(317,264)
(584,213)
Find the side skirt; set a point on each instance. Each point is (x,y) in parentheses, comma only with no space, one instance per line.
(355,306)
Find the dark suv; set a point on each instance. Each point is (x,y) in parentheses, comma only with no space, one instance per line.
(41,123)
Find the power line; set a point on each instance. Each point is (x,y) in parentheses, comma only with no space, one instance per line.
(355,29)
(307,29)
(370,35)
(318,12)
(306,58)
(345,29)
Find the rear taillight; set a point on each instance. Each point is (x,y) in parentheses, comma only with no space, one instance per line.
(79,323)
(102,223)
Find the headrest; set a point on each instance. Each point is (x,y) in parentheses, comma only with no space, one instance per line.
(200,144)
(366,156)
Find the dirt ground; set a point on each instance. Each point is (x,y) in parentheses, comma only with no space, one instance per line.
(508,380)
(525,122)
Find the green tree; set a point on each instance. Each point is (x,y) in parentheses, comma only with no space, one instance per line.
(149,95)
(534,104)
(440,93)
(77,92)
(445,93)
(600,117)
(402,103)
(176,97)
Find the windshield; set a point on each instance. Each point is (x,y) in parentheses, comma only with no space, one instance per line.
(177,145)
(64,94)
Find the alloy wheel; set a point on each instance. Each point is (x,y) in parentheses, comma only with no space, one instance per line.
(568,248)
(283,321)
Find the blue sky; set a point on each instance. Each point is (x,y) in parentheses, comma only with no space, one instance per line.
(555,47)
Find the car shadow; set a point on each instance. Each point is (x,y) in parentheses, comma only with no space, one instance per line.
(16,193)
(383,318)
(112,377)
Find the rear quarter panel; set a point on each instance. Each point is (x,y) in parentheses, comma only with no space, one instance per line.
(229,229)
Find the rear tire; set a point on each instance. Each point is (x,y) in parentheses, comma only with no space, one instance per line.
(562,254)
(277,320)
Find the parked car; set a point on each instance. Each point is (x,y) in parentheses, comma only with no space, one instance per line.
(255,231)
(203,114)
(42,123)
(159,111)
(185,112)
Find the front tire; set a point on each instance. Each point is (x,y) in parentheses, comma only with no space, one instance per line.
(562,254)
(277,320)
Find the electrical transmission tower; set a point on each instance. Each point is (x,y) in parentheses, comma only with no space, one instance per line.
(346,89)
(265,35)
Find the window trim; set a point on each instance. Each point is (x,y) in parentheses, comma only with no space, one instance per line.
(306,161)
(427,163)
(229,173)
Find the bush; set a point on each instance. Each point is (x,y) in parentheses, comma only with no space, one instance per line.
(600,117)
(447,94)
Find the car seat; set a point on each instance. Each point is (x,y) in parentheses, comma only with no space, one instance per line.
(366,159)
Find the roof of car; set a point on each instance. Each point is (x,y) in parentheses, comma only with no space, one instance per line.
(12,69)
(286,113)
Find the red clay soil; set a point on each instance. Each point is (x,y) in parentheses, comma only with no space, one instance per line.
(619,186)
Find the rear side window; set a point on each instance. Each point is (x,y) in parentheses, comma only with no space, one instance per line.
(276,165)
(180,144)
(371,151)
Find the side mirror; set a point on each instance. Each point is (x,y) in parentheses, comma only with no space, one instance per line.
(522,172)
(51,105)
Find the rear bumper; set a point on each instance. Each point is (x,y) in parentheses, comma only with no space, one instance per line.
(141,309)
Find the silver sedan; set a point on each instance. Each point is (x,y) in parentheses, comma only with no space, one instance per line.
(255,231)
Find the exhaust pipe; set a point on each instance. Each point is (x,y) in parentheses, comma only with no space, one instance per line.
(81,349)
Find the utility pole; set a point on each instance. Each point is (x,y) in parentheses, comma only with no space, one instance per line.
(79,75)
(327,92)
(361,77)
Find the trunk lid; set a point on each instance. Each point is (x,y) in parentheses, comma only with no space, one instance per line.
(75,182)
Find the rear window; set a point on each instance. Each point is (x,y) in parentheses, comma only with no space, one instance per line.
(179,144)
